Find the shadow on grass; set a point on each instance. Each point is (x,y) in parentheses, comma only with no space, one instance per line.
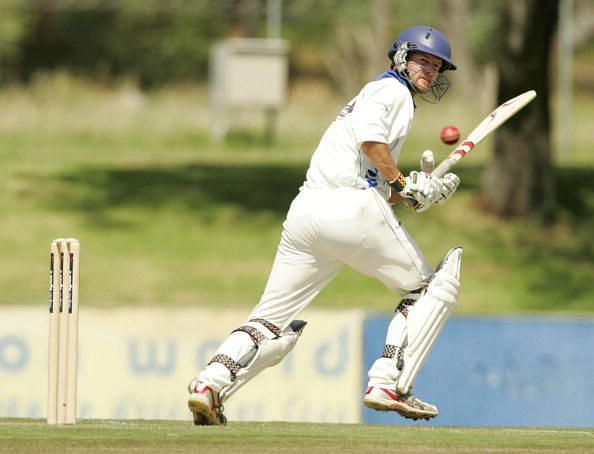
(253,187)
(198,187)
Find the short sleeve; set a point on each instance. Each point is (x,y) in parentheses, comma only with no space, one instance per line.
(374,112)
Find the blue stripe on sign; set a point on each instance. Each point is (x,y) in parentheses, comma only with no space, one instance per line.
(501,372)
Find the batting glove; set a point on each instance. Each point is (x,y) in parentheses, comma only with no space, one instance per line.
(450,183)
(423,188)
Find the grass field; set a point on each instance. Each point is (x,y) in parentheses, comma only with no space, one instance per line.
(165,216)
(18,436)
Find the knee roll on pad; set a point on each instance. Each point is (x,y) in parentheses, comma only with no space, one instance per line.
(428,315)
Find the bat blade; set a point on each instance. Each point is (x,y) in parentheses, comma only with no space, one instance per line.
(493,121)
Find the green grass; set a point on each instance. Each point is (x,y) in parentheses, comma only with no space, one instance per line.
(167,217)
(167,436)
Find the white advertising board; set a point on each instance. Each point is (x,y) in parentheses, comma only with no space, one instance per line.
(136,363)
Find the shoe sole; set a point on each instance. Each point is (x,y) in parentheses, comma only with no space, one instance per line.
(400,408)
(203,415)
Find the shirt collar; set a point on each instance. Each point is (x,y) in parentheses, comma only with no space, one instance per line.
(395,75)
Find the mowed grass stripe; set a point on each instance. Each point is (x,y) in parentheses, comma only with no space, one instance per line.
(21,435)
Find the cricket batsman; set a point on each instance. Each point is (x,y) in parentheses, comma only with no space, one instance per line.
(341,217)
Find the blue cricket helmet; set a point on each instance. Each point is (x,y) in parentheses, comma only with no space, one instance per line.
(422,38)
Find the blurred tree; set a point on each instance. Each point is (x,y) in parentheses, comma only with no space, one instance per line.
(454,23)
(583,30)
(161,41)
(244,17)
(519,180)
(154,41)
(470,27)
(14,18)
(356,52)
(359,53)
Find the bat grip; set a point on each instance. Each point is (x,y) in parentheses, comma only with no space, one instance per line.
(443,168)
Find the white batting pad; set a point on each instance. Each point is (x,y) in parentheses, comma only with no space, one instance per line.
(428,315)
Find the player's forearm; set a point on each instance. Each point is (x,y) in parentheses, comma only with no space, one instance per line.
(380,156)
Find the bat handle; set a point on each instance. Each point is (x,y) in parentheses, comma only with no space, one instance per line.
(443,168)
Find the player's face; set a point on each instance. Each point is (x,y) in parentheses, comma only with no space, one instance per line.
(423,70)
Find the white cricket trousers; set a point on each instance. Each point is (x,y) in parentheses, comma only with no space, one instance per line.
(327,229)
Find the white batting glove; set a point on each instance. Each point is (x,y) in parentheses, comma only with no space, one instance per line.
(423,188)
(450,183)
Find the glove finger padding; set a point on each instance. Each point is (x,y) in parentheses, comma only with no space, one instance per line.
(450,183)
(427,163)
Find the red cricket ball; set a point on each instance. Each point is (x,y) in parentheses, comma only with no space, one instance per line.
(449,134)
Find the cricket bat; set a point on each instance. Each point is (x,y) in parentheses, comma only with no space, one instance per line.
(493,121)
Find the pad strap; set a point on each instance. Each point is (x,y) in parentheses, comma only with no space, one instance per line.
(256,335)
(409,300)
(269,326)
(228,362)
(389,351)
(392,351)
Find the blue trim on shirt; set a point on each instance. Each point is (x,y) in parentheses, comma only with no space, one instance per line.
(395,75)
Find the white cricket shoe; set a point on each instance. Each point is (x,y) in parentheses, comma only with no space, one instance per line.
(205,405)
(406,405)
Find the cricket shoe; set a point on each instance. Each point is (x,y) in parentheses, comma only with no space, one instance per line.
(406,405)
(205,405)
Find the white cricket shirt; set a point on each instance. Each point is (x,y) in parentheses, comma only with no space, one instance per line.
(381,112)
